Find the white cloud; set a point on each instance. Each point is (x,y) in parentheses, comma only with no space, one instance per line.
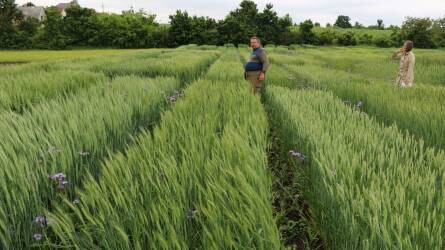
(323,11)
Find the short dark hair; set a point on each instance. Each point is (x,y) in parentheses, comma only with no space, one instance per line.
(256,38)
(409,45)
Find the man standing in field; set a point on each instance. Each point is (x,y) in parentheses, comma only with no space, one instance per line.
(405,77)
(256,66)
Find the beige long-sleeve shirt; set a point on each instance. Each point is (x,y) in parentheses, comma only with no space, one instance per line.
(405,77)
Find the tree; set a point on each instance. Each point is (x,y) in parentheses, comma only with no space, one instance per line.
(80,25)
(204,30)
(343,22)
(328,25)
(270,27)
(418,30)
(180,28)
(438,32)
(317,24)
(240,24)
(29,4)
(9,16)
(380,24)
(27,29)
(51,35)
(347,39)
(325,37)
(246,21)
(358,25)
(308,36)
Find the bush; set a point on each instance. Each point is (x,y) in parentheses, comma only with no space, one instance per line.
(365,39)
(325,37)
(347,39)
(382,42)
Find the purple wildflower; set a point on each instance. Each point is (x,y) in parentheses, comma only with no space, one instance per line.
(62,185)
(191,214)
(172,99)
(58,177)
(84,153)
(41,220)
(298,155)
(38,237)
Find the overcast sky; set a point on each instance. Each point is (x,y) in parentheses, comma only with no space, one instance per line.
(323,11)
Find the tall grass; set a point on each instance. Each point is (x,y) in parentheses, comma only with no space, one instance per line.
(186,65)
(199,182)
(418,110)
(373,64)
(69,136)
(22,91)
(227,68)
(369,186)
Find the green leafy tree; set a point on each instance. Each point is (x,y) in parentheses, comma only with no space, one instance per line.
(9,17)
(204,30)
(80,26)
(27,30)
(347,39)
(180,28)
(343,22)
(307,35)
(438,32)
(51,35)
(358,25)
(325,37)
(380,24)
(240,24)
(418,30)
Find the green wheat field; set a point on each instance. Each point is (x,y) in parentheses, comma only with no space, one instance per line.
(168,149)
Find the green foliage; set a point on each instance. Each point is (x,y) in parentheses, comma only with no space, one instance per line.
(308,36)
(343,22)
(52,35)
(347,39)
(197,30)
(418,30)
(137,29)
(9,15)
(246,21)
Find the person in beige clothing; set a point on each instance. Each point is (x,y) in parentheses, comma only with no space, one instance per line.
(405,77)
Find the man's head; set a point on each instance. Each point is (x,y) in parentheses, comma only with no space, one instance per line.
(408,46)
(255,42)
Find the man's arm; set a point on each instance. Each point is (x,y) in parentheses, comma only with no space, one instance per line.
(264,60)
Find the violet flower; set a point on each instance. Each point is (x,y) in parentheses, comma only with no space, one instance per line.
(38,237)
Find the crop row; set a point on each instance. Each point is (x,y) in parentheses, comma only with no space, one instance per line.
(369,186)
(48,151)
(419,110)
(199,182)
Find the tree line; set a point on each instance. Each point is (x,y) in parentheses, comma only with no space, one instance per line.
(84,27)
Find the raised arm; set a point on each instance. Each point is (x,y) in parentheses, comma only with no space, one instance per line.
(398,54)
